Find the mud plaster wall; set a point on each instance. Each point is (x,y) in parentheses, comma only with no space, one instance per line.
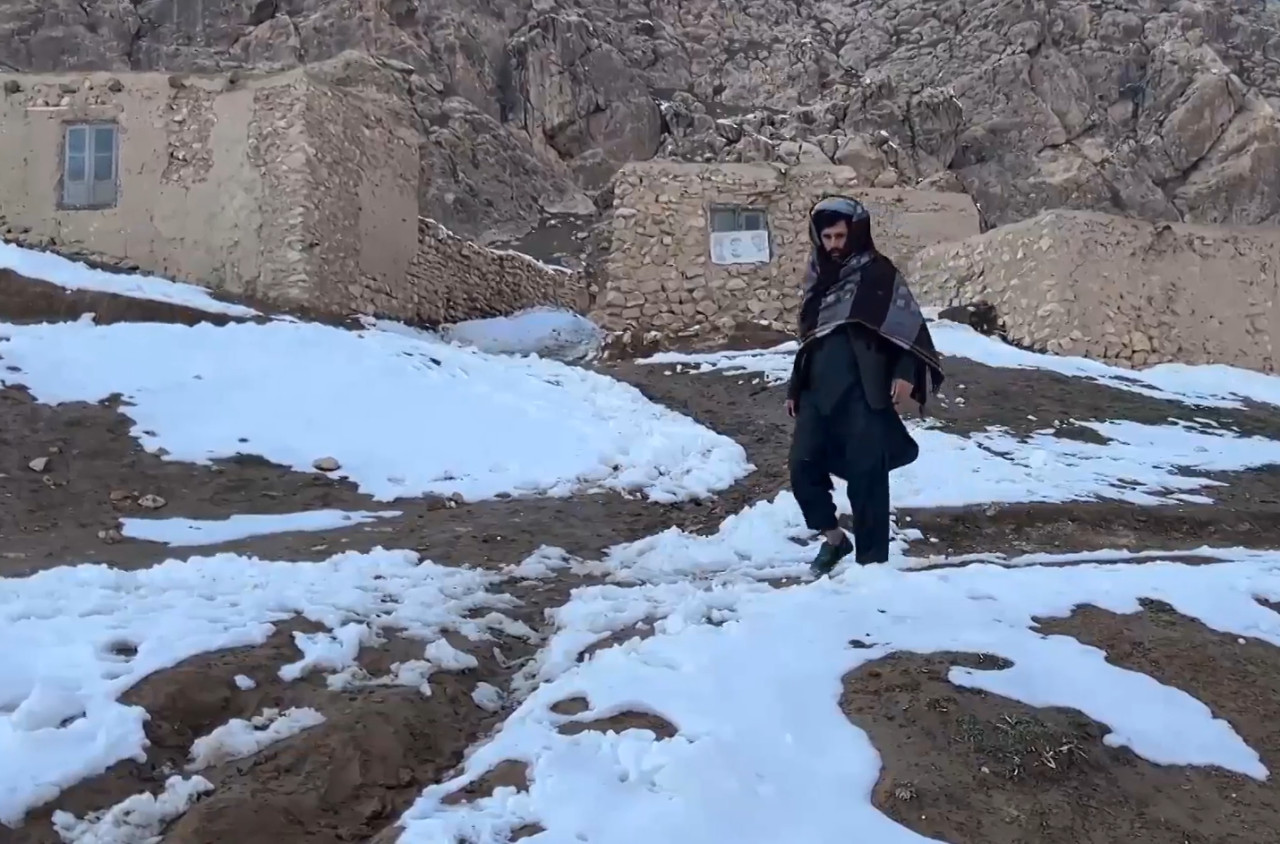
(299,189)
(653,267)
(1119,290)
(187,204)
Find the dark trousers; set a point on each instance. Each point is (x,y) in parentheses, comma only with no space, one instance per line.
(849,444)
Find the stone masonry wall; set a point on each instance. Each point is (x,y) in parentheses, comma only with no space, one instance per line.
(653,267)
(455,279)
(275,150)
(1120,290)
(361,224)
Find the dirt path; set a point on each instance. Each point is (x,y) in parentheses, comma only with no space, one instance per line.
(969,767)
(961,766)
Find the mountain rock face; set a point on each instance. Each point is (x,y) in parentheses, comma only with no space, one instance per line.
(1152,108)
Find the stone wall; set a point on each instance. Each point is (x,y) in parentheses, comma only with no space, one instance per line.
(1120,290)
(453,279)
(652,266)
(297,189)
(360,227)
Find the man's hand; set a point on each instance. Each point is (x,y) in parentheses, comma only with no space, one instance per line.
(900,392)
(791,408)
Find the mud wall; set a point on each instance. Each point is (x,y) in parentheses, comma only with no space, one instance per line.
(297,189)
(1120,290)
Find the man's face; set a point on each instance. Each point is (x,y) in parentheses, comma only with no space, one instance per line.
(835,239)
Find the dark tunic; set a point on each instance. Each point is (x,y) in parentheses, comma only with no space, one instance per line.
(846,426)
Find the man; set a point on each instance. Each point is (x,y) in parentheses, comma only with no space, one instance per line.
(865,352)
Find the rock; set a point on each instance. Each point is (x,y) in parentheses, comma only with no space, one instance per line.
(326,464)
(39,464)
(1154,110)
(436,502)
(576,93)
(856,151)
(151,502)
(802,152)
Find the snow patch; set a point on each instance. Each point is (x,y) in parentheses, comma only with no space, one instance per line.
(187,533)
(239,739)
(74,275)
(1204,386)
(549,333)
(403,415)
(139,819)
(62,672)
(751,676)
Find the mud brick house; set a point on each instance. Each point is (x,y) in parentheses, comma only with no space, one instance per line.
(688,245)
(298,188)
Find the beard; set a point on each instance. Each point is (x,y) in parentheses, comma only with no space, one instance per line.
(837,254)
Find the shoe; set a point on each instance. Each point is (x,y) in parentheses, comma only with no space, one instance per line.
(830,555)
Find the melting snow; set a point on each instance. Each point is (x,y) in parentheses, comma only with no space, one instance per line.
(750,674)
(188,533)
(62,672)
(1207,386)
(239,738)
(751,677)
(73,275)
(562,335)
(135,820)
(1138,464)
(403,415)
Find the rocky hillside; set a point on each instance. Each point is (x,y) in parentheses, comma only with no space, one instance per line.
(1153,108)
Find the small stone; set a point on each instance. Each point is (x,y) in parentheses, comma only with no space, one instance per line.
(39,464)
(111,535)
(151,502)
(118,495)
(326,464)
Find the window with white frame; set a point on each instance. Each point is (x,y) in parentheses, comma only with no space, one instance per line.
(90,153)
(739,235)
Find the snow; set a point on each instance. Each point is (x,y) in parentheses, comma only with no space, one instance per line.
(238,738)
(750,676)
(1207,386)
(62,672)
(562,335)
(188,533)
(73,275)
(749,673)
(403,414)
(1137,464)
(138,819)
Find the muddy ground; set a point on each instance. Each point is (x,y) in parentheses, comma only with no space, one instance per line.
(964,767)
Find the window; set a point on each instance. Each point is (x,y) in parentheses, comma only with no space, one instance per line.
(731,218)
(89,155)
(739,235)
